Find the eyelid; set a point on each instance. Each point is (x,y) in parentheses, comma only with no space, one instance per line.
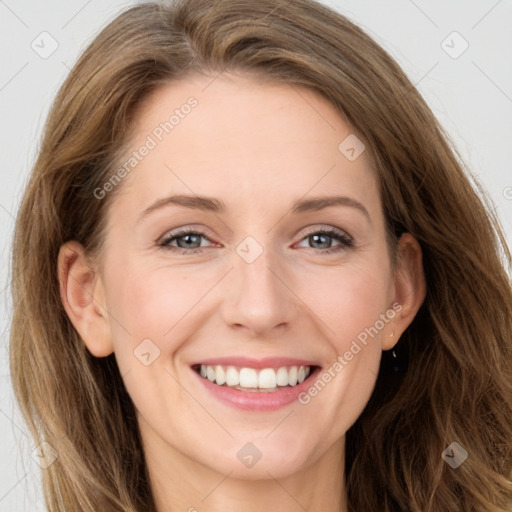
(183,230)
(323,228)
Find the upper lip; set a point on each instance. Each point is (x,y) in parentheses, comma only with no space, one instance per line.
(247,362)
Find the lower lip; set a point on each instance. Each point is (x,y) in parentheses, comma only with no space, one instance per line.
(258,400)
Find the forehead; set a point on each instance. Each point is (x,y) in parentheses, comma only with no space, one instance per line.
(242,138)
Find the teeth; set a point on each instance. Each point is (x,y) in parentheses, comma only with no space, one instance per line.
(266,378)
(232,377)
(210,373)
(220,375)
(248,378)
(282,377)
(292,376)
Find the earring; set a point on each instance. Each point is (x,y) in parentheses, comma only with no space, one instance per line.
(396,367)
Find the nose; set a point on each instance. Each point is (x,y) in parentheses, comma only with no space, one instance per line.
(258,299)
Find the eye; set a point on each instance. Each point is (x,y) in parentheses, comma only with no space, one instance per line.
(185,238)
(321,237)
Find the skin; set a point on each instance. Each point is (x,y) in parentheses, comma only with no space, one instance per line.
(257,146)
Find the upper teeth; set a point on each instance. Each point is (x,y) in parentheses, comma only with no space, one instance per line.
(266,378)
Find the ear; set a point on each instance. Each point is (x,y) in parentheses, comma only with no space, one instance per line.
(409,288)
(83,298)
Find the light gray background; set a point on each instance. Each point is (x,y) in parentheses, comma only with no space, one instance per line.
(471,95)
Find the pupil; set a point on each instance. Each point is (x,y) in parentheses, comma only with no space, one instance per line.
(315,238)
(187,238)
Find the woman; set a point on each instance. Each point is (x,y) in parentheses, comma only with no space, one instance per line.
(258,370)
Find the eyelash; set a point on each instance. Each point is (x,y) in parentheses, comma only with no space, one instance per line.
(346,241)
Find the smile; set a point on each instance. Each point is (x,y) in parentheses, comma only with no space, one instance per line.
(251,379)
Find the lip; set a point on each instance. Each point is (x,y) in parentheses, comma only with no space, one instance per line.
(257,364)
(257,401)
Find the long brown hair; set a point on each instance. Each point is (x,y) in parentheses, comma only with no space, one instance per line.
(455,381)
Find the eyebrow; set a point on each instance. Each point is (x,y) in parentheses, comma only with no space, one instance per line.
(210,204)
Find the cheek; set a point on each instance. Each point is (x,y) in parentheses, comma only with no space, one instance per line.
(152,316)
(154,303)
(349,301)
(352,312)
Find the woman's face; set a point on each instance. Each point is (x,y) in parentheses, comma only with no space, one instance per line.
(259,170)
